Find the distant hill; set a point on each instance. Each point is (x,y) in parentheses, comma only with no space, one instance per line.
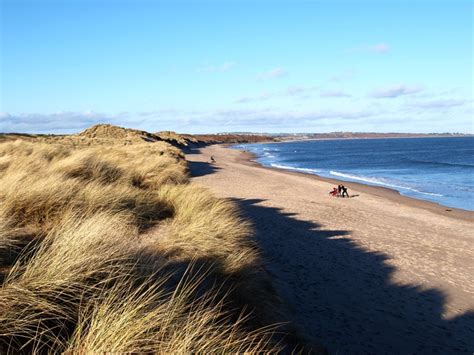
(360,135)
(230,138)
(105,133)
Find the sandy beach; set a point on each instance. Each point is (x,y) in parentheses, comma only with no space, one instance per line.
(375,273)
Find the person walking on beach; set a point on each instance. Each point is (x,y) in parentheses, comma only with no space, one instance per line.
(344,191)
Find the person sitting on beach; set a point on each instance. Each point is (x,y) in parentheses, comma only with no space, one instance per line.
(339,190)
(212,159)
(334,192)
(344,191)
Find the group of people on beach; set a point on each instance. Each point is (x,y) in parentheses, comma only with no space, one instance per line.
(339,191)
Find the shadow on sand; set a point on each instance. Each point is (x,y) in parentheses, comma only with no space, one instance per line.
(343,296)
(193,148)
(197,168)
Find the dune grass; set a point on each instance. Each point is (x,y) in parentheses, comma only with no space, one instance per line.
(107,247)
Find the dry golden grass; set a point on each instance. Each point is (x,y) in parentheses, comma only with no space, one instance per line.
(160,321)
(43,292)
(210,222)
(175,138)
(108,248)
(40,182)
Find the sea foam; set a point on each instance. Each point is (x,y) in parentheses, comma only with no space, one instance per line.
(286,167)
(380,181)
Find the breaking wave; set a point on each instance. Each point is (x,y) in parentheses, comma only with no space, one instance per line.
(382,182)
(286,167)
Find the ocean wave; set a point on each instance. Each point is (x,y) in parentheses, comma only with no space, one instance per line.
(287,167)
(380,182)
(440,163)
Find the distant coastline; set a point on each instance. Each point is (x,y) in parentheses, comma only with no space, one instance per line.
(351,135)
(388,136)
(185,139)
(250,137)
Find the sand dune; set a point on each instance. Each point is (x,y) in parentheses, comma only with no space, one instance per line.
(377,273)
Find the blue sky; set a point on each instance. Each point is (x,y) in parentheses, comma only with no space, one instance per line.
(263,66)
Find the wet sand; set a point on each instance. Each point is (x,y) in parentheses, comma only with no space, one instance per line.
(376,273)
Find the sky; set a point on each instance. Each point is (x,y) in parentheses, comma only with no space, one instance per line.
(237,66)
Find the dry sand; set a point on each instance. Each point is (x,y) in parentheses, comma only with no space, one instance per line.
(377,273)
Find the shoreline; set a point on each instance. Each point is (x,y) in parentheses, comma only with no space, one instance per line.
(393,195)
(348,268)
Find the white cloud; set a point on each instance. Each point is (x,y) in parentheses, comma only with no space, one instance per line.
(323,115)
(220,68)
(395,91)
(206,120)
(334,93)
(438,104)
(275,118)
(278,119)
(380,48)
(300,90)
(273,74)
(60,122)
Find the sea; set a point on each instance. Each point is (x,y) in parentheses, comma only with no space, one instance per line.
(437,169)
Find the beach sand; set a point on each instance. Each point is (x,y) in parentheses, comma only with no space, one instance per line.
(376,273)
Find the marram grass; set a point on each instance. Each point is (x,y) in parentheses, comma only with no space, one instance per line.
(108,248)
